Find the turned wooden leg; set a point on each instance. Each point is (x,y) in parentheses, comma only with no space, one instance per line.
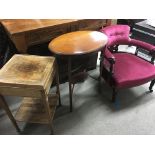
(101,67)
(70,84)
(6,108)
(151,85)
(57,83)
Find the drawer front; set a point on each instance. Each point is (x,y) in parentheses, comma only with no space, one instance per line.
(45,35)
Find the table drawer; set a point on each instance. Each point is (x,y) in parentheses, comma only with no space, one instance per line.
(45,35)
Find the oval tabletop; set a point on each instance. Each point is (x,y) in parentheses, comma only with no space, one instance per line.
(78,42)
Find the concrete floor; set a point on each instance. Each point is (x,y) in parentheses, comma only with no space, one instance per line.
(93,112)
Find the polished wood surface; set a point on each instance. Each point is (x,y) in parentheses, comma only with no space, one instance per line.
(78,42)
(27,32)
(27,71)
(16,26)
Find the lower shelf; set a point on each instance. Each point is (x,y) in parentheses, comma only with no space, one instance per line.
(32,110)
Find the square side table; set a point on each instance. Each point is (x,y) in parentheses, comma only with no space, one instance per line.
(30,77)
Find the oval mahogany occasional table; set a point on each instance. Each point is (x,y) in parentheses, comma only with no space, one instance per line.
(77,43)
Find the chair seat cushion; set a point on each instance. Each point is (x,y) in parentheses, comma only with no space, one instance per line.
(130,70)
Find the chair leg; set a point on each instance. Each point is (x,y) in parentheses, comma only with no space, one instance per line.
(151,85)
(100,68)
(114,93)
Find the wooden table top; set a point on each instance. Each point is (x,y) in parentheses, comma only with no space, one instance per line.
(78,42)
(14,26)
(28,71)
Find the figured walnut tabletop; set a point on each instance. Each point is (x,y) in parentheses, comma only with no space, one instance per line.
(78,42)
(27,71)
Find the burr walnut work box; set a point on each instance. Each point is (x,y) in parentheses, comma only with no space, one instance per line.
(31,77)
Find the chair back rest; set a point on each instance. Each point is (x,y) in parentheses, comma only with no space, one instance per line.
(117,34)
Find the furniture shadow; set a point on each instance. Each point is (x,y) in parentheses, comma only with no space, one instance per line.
(43,129)
(35,129)
(126,98)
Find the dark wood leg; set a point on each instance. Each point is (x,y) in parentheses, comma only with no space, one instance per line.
(57,83)
(114,93)
(6,108)
(151,85)
(73,88)
(70,83)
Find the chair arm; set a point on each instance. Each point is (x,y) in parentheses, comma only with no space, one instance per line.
(109,56)
(108,61)
(138,43)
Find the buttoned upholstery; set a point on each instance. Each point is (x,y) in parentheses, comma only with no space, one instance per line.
(124,69)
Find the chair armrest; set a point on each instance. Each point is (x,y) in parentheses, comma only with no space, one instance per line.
(108,61)
(109,56)
(142,44)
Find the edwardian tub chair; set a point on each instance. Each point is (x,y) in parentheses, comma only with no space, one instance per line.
(124,69)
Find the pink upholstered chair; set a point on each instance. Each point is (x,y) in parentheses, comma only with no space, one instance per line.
(122,69)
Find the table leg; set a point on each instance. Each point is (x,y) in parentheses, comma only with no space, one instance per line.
(6,108)
(57,83)
(47,109)
(70,84)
